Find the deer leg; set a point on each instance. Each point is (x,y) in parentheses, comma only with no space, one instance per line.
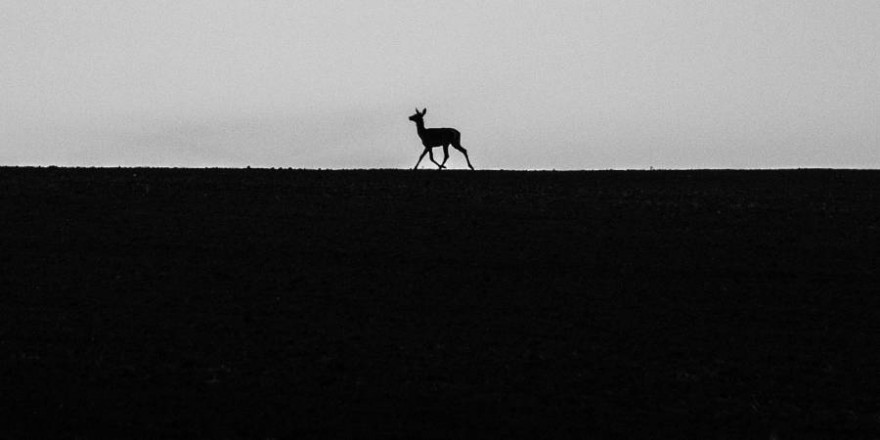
(420,158)
(463,151)
(445,154)
(431,156)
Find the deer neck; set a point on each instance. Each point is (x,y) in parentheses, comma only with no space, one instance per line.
(420,127)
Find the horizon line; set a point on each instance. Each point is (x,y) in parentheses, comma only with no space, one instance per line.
(262,168)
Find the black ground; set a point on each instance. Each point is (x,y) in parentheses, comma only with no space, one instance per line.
(157,303)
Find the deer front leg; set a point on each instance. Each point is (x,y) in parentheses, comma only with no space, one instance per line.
(431,156)
(420,158)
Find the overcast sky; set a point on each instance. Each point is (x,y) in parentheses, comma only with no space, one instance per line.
(564,84)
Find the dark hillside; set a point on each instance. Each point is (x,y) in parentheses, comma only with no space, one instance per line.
(165,303)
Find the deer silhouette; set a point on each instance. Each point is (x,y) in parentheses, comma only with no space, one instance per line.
(437,137)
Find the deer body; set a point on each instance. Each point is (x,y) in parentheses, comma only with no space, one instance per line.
(437,137)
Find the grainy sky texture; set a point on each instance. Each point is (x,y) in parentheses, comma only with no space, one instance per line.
(564,84)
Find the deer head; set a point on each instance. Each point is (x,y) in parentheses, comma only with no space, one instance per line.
(419,115)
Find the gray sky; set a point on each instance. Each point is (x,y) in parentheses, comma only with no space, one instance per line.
(564,84)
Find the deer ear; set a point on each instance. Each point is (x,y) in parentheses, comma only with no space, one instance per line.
(417,110)
(425,110)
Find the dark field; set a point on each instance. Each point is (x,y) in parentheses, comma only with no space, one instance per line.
(155,303)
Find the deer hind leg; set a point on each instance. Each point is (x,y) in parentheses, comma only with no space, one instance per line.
(457,146)
(420,158)
(431,156)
